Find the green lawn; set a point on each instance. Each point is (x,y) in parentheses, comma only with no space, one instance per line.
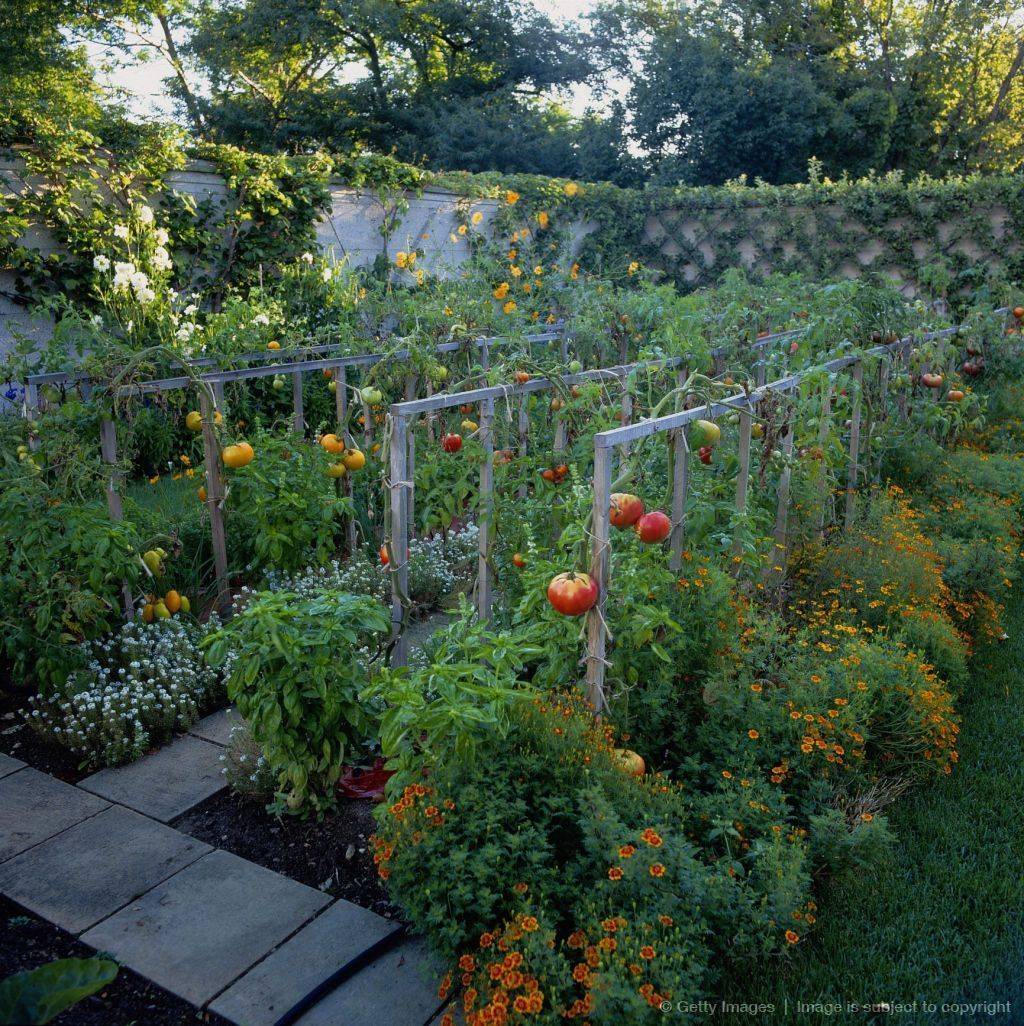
(944,920)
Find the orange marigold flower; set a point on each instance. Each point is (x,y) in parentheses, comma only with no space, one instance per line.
(665,920)
(467,963)
(753,734)
(627,851)
(615,873)
(657,869)
(652,838)
(792,937)
(520,887)
(647,952)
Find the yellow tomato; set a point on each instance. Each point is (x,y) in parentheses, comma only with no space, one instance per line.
(353,459)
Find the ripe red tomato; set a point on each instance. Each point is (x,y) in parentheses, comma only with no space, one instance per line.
(793,347)
(451,443)
(572,594)
(384,560)
(704,454)
(517,560)
(931,380)
(1018,312)
(626,509)
(653,527)
(522,377)
(955,395)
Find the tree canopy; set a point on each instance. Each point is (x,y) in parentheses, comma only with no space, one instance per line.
(699,92)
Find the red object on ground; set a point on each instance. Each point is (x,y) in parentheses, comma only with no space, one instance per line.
(356,782)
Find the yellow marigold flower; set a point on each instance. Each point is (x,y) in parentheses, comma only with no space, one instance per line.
(791,937)
(501,291)
(453,237)
(633,267)
(511,197)
(538,270)
(753,734)
(515,271)
(448,311)
(574,271)
(543,220)
(477,217)
(509,307)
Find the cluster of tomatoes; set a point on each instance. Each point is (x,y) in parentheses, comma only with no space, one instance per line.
(573,594)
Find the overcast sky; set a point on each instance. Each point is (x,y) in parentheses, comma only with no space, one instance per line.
(144,79)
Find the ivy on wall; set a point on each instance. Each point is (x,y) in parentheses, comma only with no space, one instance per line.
(948,235)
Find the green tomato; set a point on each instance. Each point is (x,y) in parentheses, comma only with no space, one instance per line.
(371,396)
(575,366)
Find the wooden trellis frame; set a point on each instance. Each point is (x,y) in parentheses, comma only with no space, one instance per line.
(402,462)
(210,389)
(605,443)
(402,473)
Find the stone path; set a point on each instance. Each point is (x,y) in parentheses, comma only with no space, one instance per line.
(99,861)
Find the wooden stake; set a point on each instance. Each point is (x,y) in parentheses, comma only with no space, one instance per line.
(743,478)
(599,561)
(782,508)
(215,502)
(299,417)
(851,480)
(523,428)
(399,540)
(485,514)
(680,486)
(108,447)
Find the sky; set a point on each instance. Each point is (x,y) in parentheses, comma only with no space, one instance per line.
(143,80)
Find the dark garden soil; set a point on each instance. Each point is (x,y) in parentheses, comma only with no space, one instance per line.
(27,942)
(332,854)
(20,741)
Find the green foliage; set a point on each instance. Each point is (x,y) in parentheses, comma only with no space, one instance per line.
(40,995)
(62,567)
(295,667)
(290,508)
(437,713)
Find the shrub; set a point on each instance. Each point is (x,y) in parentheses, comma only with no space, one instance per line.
(543,810)
(294,667)
(141,683)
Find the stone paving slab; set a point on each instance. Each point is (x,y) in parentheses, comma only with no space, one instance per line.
(94,868)
(398,989)
(34,807)
(197,932)
(217,726)
(8,764)
(273,986)
(166,783)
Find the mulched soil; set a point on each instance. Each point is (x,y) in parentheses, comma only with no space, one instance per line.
(27,942)
(332,854)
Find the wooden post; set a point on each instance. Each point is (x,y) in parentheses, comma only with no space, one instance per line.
(627,414)
(218,395)
(341,415)
(411,384)
(679,486)
(108,447)
(901,402)
(523,430)
(599,560)
(782,508)
(485,515)
(851,480)
(214,501)
(31,409)
(824,425)
(299,417)
(743,477)
(399,540)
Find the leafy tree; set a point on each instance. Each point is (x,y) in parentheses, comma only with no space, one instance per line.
(445,82)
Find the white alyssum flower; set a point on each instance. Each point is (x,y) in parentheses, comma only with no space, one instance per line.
(140,684)
(262,319)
